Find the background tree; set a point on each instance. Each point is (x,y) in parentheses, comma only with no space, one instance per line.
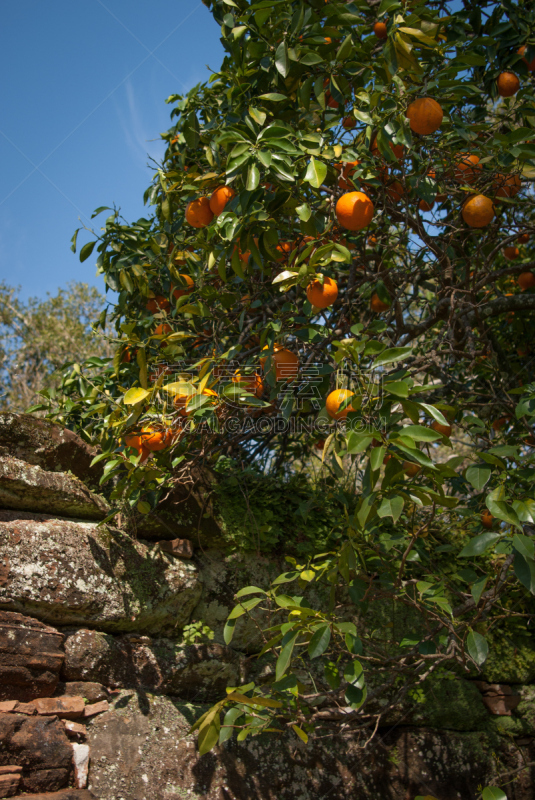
(350,195)
(38,337)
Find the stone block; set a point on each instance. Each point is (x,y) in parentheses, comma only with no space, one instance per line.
(181,548)
(29,488)
(31,653)
(62,707)
(89,690)
(9,784)
(96,708)
(74,729)
(76,573)
(80,760)
(40,746)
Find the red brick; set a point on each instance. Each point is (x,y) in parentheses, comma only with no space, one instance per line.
(63,707)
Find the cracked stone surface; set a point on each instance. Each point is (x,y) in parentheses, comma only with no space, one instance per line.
(30,488)
(75,573)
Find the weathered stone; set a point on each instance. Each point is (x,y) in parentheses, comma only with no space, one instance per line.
(89,690)
(9,785)
(76,573)
(44,444)
(30,488)
(40,746)
(62,707)
(96,708)
(10,769)
(7,706)
(201,671)
(80,760)
(25,708)
(501,705)
(74,729)
(31,655)
(66,794)
(182,548)
(141,751)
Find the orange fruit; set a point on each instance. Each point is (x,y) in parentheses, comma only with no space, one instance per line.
(354,211)
(439,197)
(397,149)
(198,213)
(154,440)
(467,169)
(380,30)
(445,430)
(425,115)
(286,363)
(335,400)
(523,238)
(478,211)
(487,520)
(126,357)
(252,383)
(163,328)
(424,206)
(349,123)
(526,280)
(372,240)
(322,296)
(377,305)
(531,64)
(498,424)
(346,170)
(134,440)
(410,469)
(219,199)
(244,257)
(395,191)
(508,84)
(158,303)
(511,252)
(320,444)
(329,99)
(285,248)
(181,292)
(506,185)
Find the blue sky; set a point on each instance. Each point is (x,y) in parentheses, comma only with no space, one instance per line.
(83,91)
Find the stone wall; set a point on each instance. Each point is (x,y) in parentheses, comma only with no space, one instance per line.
(99,683)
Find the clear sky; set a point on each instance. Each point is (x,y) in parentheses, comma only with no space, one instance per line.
(82,101)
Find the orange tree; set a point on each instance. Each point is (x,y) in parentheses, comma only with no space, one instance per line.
(341,231)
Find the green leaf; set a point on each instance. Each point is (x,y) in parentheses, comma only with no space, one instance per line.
(242,608)
(253,178)
(316,173)
(391,507)
(525,571)
(397,388)
(275,97)
(191,130)
(391,355)
(478,476)
(304,212)
(282,61)
(524,545)
(232,715)
(135,395)
(434,412)
(86,250)
(300,732)
(258,115)
(478,588)
(500,509)
(228,630)
(319,641)
(478,544)
(477,647)
(345,49)
(209,734)
(285,656)
(420,433)
(249,590)
(493,793)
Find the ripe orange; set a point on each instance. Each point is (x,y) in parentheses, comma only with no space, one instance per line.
(154,440)
(508,84)
(511,252)
(478,211)
(498,424)
(322,296)
(163,328)
(219,199)
(523,238)
(531,64)
(126,357)
(467,168)
(252,383)
(181,292)
(423,206)
(410,469)
(346,170)
(380,30)
(285,248)
(286,363)
(425,115)
(377,305)
(335,400)
(506,185)
(182,401)
(244,257)
(487,520)
(526,280)
(134,440)
(198,213)
(158,303)
(354,211)
(349,123)
(395,191)
(329,99)
(445,430)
